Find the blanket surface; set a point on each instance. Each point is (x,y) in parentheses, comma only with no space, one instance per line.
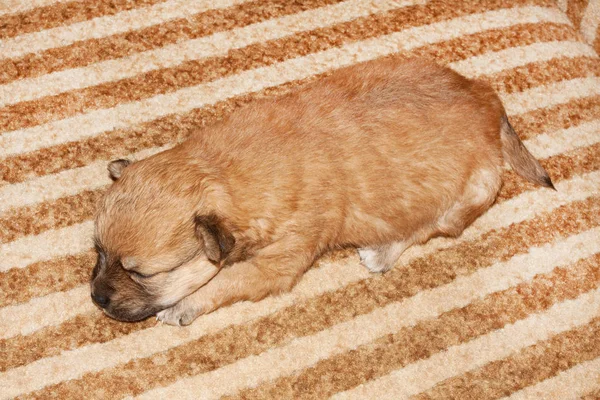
(510,308)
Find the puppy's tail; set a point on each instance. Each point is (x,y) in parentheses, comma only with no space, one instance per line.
(520,159)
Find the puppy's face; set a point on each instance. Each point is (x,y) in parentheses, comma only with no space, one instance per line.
(153,248)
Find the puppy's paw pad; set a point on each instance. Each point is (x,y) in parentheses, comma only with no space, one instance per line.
(177,316)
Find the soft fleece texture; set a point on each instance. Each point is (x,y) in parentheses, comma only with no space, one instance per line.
(511,308)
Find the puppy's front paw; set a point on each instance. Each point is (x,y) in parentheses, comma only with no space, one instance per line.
(180,314)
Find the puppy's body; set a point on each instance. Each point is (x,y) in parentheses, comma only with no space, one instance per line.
(379,156)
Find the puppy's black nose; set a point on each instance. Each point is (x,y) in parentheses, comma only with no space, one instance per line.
(102,301)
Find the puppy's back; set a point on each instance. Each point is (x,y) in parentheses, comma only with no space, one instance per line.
(387,141)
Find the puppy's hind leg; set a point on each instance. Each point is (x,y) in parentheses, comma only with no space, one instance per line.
(480,193)
(382,258)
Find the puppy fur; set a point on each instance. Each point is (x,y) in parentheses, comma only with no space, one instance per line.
(380,156)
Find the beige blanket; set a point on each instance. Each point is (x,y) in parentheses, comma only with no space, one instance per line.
(511,308)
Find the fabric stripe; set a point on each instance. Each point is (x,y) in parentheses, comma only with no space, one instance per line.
(569,384)
(193,72)
(82,53)
(498,344)
(582,214)
(184,100)
(428,337)
(518,56)
(561,116)
(157,133)
(590,21)
(220,43)
(575,9)
(536,74)
(34,220)
(43,311)
(387,320)
(65,183)
(215,45)
(380,285)
(64,13)
(20,285)
(553,143)
(107,25)
(559,92)
(531,365)
(19,6)
(593,395)
(54,243)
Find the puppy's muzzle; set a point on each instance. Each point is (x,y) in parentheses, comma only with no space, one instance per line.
(101,293)
(100,300)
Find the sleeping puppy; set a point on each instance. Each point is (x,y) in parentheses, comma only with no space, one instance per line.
(380,156)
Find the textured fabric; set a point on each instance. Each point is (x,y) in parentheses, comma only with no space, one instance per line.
(511,308)
(585,16)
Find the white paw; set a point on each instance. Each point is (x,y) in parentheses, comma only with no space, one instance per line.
(370,259)
(179,315)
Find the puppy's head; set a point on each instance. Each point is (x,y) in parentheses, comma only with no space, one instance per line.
(153,246)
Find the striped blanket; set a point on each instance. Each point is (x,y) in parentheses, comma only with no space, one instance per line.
(511,308)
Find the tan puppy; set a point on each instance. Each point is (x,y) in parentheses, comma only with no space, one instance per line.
(381,156)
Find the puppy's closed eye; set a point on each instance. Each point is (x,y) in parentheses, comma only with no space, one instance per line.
(130,265)
(139,275)
(133,274)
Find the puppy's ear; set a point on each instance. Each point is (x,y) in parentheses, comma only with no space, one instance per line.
(116,167)
(218,241)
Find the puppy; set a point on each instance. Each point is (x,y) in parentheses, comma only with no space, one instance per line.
(381,156)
